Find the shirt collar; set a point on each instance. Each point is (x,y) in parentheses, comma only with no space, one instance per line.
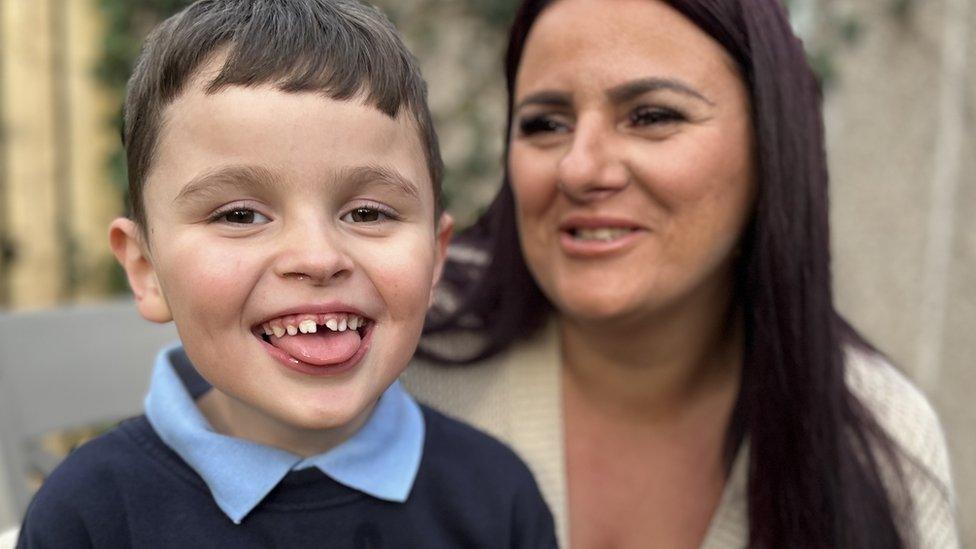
(380,460)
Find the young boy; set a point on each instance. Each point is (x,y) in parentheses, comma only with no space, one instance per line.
(284,178)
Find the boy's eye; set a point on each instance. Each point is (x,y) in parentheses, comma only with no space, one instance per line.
(241,216)
(366,214)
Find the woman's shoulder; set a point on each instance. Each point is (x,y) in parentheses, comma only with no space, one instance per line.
(473,392)
(496,392)
(909,419)
(901,409)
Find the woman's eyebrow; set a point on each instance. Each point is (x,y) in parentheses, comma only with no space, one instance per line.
(546,98)
(635,88)
(617,94)
(235,175)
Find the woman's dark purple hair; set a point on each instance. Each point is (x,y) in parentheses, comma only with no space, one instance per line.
(816,453)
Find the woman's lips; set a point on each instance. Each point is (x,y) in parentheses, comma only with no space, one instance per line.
(592,242)
(593,235)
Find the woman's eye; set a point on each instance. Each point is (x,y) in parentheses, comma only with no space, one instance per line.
(649,116)
(365,215)
(241,216)
(540,124)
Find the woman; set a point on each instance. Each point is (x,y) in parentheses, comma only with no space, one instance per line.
(648,298)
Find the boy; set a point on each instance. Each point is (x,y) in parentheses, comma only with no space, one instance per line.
(284,180)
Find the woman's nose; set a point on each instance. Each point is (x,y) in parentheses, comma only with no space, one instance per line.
(593,168)
(313,253)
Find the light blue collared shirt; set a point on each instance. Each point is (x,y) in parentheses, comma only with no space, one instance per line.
(381,459)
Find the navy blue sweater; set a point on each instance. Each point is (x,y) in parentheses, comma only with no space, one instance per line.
(128,489)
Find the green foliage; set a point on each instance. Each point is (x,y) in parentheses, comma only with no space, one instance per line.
(496,14)
(902,9)
(127,24)
(841,31)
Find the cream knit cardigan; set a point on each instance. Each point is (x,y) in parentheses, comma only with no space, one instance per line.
(516,398)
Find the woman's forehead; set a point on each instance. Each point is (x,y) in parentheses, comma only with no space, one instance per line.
(602,43)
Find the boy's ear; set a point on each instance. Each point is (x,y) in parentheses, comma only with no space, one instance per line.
(445,228)
(127,243)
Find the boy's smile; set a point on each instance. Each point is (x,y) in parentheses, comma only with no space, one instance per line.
(292,238)
(330,339)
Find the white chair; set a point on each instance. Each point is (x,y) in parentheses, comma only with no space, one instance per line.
(63,369)
(8,539)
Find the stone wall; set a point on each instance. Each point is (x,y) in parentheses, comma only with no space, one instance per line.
(902,146)
(56,198)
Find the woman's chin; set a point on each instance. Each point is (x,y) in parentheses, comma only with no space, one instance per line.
(588,310)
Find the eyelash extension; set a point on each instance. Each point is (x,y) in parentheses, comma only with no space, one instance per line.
(538,124)
(641,116)
(656,115)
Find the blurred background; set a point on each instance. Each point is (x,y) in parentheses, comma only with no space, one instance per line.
(900,84)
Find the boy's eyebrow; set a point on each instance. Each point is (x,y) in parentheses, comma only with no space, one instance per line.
(236,175)
(362,175)
(239,175)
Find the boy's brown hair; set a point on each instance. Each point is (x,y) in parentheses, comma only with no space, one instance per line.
(341,48)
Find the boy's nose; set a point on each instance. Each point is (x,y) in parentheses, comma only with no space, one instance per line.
(315,256)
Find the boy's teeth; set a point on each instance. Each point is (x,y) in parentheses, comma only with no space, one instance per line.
(605,234)
(337,323)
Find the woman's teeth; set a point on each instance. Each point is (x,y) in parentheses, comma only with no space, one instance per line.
(295,325)
(604,234)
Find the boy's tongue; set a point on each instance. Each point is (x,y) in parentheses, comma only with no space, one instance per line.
(323,348)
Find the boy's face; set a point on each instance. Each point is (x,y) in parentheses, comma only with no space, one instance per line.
(269,209)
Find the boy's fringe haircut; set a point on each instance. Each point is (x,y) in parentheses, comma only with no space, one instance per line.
(341,48)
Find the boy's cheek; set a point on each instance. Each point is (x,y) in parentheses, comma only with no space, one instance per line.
(202,281)
(404,278)
(205,291)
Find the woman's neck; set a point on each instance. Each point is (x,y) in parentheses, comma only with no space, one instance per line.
(651,368)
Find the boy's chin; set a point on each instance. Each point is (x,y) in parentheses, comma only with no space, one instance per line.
(342,417)
(325,422)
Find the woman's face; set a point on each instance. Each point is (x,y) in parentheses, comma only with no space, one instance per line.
(631,159)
